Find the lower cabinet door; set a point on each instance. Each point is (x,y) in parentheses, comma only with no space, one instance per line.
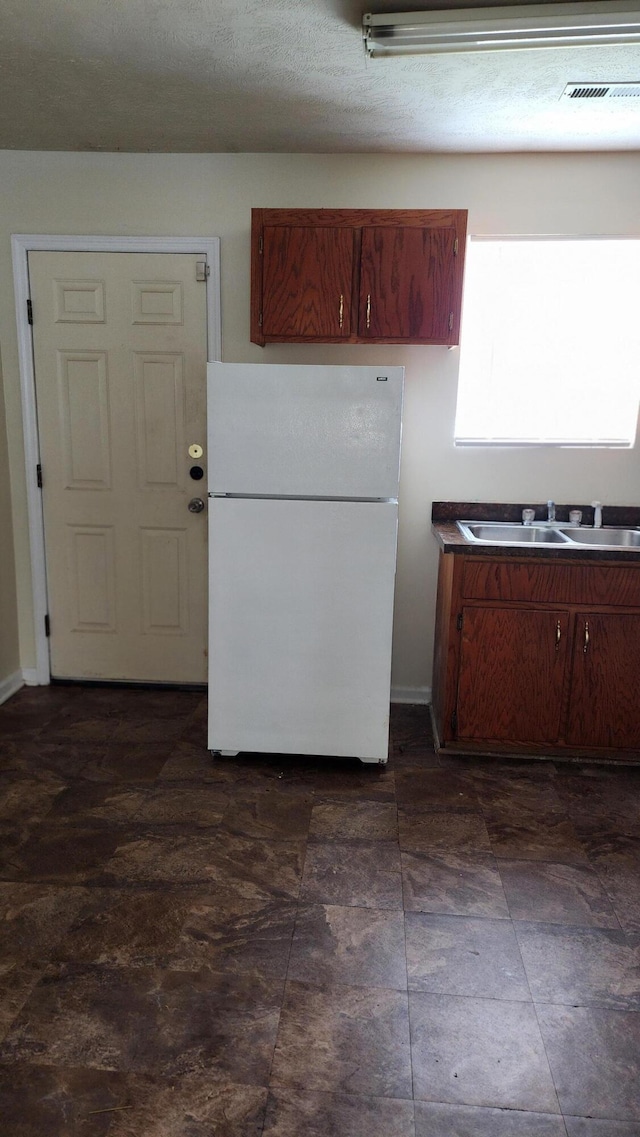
(604,708)
(511,678)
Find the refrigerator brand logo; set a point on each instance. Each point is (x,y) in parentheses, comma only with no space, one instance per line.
(381,378)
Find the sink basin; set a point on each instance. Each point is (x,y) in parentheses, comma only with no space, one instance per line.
(502,533)
(610,538)
(506,533)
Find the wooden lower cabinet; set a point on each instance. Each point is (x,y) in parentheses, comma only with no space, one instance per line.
(523,665)
(511,677)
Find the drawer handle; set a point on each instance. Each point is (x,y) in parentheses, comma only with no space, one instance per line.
(586,636)
(341,310)
(369,310)
(558,634)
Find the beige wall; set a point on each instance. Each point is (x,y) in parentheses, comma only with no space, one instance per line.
(213,194)
(9,651)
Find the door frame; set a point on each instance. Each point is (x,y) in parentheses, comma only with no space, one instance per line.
(21,245)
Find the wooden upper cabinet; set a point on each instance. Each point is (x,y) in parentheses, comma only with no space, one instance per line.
(356,275)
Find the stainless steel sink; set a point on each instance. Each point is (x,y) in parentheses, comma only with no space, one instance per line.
(609,538)
(506,533)
(503,533)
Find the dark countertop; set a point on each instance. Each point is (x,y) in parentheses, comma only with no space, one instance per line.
(444,515)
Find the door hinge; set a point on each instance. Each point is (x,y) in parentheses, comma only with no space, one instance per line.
(202,270)
(459,622)
(47,625)
(261,245)
(29,312)
(450,321)
(455,247)
(454,722)
(39,475)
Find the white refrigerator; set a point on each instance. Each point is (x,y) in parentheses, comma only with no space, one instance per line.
(303,488)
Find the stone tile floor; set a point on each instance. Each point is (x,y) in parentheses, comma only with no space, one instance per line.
(302,948)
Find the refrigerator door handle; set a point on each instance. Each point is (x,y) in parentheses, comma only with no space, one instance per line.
(297,497)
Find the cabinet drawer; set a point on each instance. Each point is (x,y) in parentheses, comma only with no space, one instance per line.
(593,584)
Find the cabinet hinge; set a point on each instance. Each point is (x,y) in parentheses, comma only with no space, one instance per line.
(450,321)
(459,622)
(455,247)
(29,312)
(39,476)
(261,244)
(202,270)
(47,625)
(454,722)
(260,319)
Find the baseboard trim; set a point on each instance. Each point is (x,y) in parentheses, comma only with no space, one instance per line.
(10,685)
(29,676)
(420,695)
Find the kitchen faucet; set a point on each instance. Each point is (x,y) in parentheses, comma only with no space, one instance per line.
(551,511)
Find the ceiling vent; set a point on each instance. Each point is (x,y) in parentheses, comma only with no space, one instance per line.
(601,91)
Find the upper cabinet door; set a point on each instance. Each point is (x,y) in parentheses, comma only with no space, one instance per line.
(307,282)
(407,284)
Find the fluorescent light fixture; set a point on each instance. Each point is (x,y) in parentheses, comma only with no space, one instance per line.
(606,23)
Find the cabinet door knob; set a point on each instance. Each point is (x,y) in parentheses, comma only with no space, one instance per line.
(586,636)
(368,309)
(341,310)
(558,634)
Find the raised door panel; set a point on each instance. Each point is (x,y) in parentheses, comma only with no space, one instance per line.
(160,411)
(91,578)
(407,284)
(512,670)
(307,282)
(165,586)
(83,408)
(79,301)
(157,302)
(604,708)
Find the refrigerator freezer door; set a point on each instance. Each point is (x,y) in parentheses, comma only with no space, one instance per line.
(301,601)
(305,431)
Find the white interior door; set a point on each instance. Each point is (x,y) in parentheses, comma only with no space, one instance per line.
(120,364)
(301,603)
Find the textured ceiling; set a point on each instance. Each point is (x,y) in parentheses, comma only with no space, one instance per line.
(284,76)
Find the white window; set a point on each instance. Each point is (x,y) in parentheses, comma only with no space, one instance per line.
(550,347)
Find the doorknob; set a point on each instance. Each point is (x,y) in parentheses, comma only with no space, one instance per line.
(196,505)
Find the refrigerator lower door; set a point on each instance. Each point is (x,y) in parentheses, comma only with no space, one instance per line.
(301,608)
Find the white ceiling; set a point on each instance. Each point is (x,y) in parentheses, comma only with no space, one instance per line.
(285,76)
